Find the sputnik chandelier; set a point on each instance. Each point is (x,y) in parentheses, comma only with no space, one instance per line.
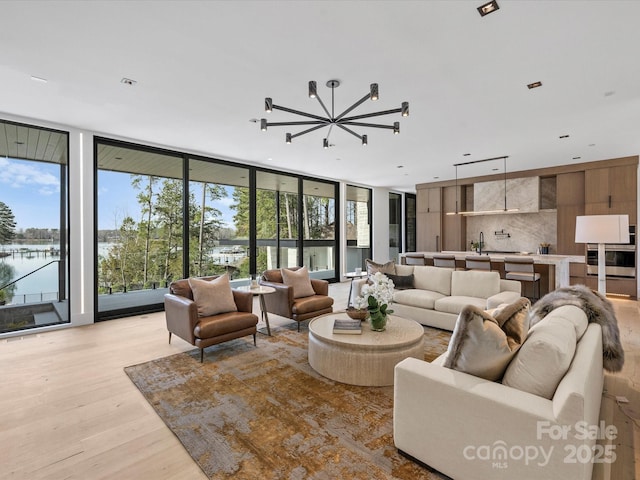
(341,121)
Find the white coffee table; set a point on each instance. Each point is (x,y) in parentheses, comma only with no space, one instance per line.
(367,359)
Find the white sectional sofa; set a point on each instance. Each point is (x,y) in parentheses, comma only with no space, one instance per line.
(475,429)
(438,294)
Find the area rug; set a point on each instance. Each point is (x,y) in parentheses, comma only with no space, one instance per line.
(263,413)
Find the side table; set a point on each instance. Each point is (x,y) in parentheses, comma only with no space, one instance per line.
(353,276)
(260,291)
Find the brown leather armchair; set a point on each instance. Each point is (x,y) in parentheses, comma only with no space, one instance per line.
(182,317)
(299,309)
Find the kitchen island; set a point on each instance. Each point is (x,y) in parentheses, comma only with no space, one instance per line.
(556,266)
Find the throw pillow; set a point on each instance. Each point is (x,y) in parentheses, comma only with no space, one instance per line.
(546,355)
(386,268)
(483,345)
(299,280)
(213,296)
(401,282)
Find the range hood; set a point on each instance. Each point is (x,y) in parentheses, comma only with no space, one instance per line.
(521,196)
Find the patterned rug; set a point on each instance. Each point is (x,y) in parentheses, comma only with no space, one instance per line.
(264,413)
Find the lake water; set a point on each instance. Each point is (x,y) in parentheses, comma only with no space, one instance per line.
(45,282)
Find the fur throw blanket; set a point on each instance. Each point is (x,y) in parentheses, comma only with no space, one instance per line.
(597,308)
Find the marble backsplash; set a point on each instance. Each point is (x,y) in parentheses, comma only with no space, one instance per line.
(526,231)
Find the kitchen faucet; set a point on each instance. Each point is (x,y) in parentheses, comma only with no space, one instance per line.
(481,243)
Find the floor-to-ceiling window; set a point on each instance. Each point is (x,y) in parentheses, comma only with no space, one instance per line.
(319,228)
(219,215)
(358,224)
(139,206)
(165,215)
(395,224)
(277,219)
(33,226)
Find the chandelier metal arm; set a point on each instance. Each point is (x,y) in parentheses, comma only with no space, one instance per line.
(286,124)
(355,105)
(374,114)
(372,125)
(348,130)
(322,105)
(298,112)
(309,130)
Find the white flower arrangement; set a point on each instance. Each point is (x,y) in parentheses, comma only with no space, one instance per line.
(376,295)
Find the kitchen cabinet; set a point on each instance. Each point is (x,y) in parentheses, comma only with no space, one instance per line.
(570,189)
(611,191)
(453,226)
(429,219)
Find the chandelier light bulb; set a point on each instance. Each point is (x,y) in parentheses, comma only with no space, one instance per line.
(374,92)
(365,141)
(312,89)
(405,109)
(288,138)
(268,105)
(396,128)
(263,124)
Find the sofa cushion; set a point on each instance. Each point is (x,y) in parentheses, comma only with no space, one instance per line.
(213,296)
(299,281)
(417,298)
(401,282)
(470,283)
(483,345)
(547,353)
(310,304)
(404,269)
(386,268)
(432,278)
(456,304)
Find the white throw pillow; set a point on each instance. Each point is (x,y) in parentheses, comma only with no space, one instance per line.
(483,345)
(213,296)
(546,355)
(299,280)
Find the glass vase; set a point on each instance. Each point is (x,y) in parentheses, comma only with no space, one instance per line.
(378,321)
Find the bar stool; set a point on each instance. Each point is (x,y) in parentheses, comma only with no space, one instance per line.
(444,261)
(478,262)
(521,269)
(415,259)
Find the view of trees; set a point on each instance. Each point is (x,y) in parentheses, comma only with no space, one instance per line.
(146,251)
(7,224)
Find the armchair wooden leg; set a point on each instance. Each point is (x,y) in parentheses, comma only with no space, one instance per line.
(169,337)
(254,340)
(202,355)
(298,325)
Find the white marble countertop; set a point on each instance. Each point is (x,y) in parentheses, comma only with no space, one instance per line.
(559,262)
(499,257)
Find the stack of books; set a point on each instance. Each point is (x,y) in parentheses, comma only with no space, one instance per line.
(347,325)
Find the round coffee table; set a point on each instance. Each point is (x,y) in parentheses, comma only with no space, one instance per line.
(367,359)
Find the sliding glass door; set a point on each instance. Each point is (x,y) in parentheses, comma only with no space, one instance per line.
(358,222)
(33,227)
(139,221)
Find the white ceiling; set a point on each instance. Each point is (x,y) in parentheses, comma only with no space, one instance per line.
(203,69)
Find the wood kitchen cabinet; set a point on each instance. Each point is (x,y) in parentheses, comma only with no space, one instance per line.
(429,219)
(570,188)
(453,226)
(611,191)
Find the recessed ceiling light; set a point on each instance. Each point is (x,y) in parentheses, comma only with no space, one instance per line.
(563,136)
(534,85)
(19,143)
(128,81)
(488,8)
(435,178)
(117,158)
(466,154)
(609,93)
(38,79)
(495,169)
(576,158)
(400,166)
(592,144)
(253,120)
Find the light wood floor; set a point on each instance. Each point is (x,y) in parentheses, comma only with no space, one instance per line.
(68,410)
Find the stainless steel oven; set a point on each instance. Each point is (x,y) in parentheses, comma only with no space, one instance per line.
(620,259)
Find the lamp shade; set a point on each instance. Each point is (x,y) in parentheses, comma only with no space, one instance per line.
(602,229)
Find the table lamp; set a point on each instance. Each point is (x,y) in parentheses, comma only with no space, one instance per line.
(602,229)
